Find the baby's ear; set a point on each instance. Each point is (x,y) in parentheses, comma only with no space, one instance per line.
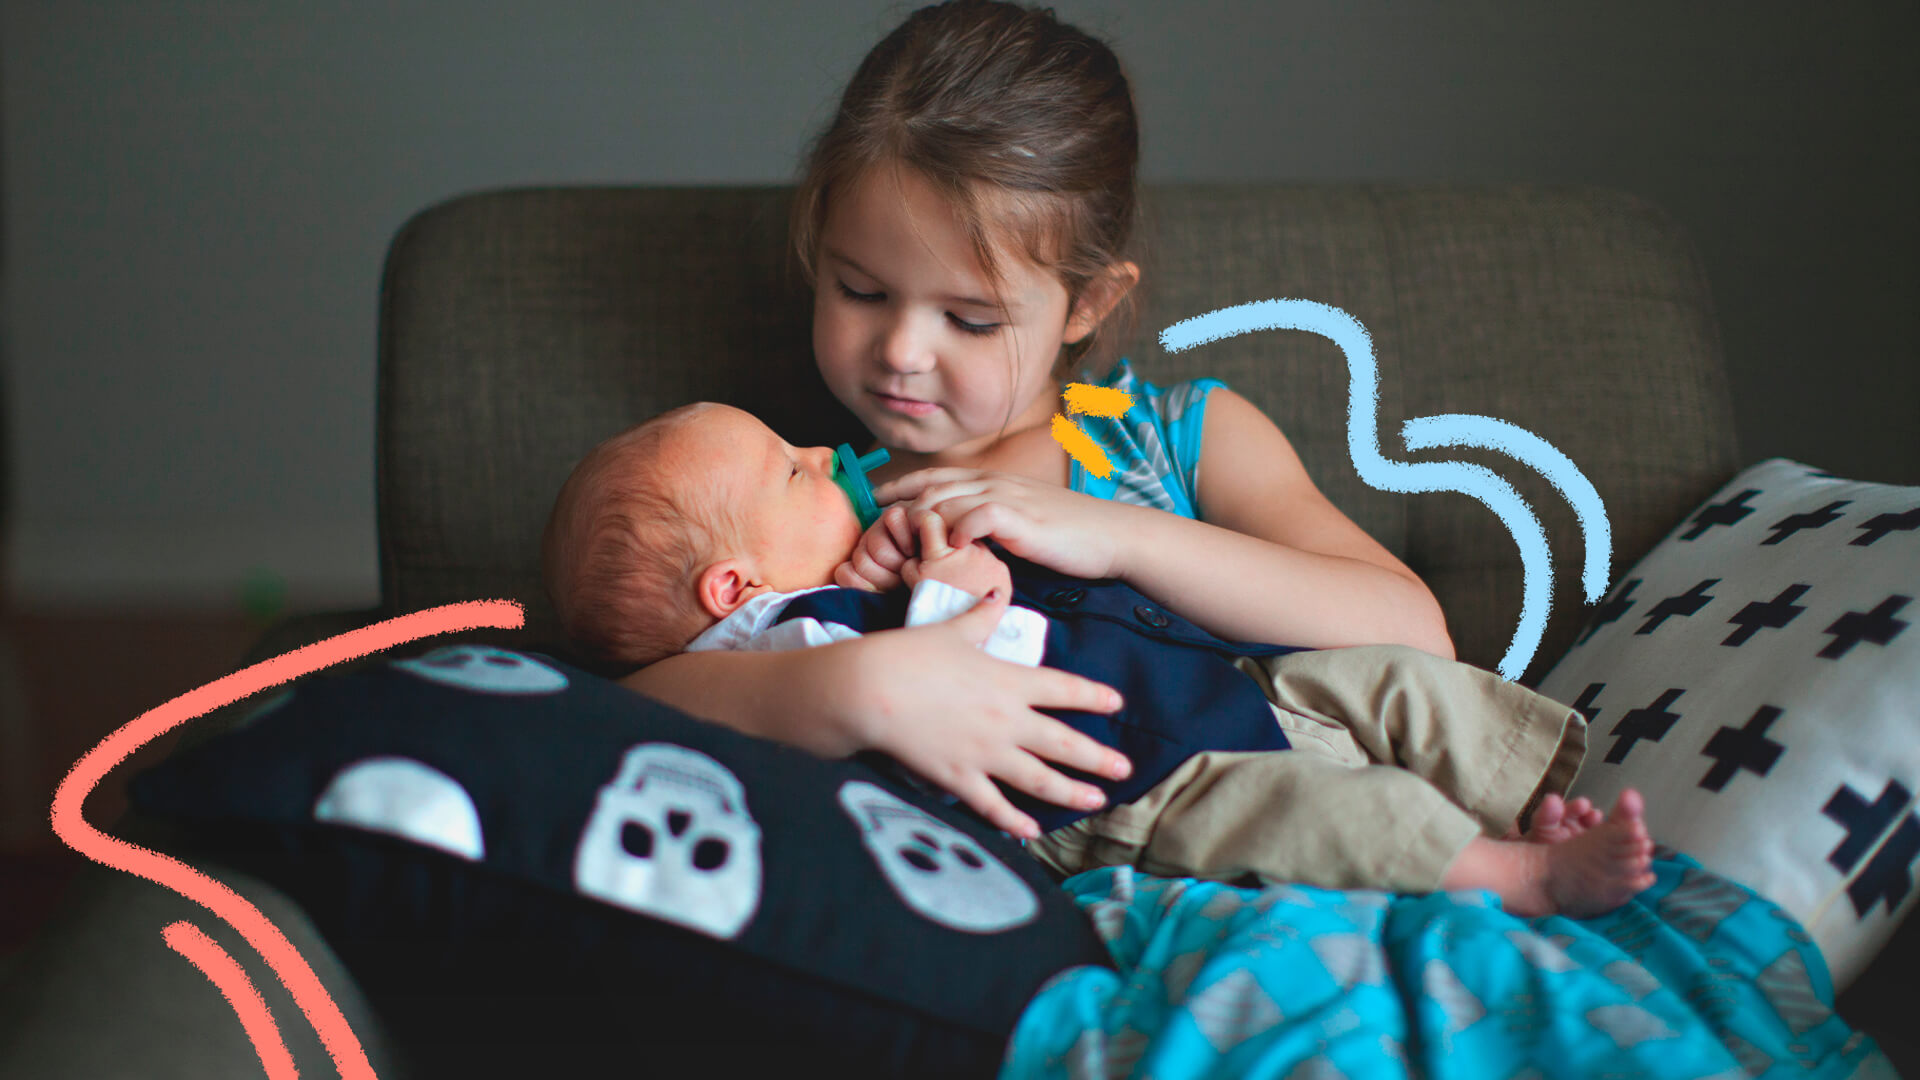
(726,585)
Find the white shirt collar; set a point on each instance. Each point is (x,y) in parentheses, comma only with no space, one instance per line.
(747,620)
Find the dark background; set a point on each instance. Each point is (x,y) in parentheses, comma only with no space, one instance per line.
(198,196)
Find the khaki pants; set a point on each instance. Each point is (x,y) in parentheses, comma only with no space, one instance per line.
(1399,759)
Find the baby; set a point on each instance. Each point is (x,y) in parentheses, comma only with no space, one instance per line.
(1387,768)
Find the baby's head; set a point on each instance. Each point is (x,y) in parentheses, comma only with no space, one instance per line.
(669,526)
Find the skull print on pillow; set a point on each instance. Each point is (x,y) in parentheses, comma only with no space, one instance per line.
(405,798)
(500,843)
(671,837)
(486,670)
(935,868)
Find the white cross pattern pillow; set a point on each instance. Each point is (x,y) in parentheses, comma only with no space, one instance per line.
(1757,677)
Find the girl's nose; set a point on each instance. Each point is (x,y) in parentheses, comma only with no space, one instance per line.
(903,347)
(820,460)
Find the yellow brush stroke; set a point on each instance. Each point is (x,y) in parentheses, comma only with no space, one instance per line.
(1097,400)
(1081,446)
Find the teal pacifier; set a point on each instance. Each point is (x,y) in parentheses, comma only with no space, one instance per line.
(850,472)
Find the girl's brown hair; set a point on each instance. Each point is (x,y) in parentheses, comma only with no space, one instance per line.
(1024,123)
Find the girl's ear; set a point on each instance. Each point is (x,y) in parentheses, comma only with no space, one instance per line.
(725,585)
(1101,294)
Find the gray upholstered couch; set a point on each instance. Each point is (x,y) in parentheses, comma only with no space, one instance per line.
(518,328)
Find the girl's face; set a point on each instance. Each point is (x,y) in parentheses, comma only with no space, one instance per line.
(906,330)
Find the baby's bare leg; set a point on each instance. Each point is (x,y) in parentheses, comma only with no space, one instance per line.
(1588,873)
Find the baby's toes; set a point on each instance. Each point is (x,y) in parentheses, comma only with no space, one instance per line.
(1548,819)
(1630,804)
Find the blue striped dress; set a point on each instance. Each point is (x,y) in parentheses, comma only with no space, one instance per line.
(1154,448)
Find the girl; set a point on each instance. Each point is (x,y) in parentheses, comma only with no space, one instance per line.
(966,222)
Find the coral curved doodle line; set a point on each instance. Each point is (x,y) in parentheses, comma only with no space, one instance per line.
(203,952)
(1447,430)
(242,996)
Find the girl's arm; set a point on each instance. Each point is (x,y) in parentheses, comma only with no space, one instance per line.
(1274,560)
(927,696)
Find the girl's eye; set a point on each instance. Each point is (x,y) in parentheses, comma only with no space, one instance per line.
(960,324)
(977,329)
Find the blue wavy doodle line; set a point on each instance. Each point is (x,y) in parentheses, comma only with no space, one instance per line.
(1434,432)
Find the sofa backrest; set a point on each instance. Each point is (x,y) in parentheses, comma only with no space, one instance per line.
(519,328)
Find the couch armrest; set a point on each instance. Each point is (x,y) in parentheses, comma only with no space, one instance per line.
(98,992)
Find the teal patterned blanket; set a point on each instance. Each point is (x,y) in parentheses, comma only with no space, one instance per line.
(1697,977)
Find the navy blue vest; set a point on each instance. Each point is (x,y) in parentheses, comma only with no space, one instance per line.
(1183,694)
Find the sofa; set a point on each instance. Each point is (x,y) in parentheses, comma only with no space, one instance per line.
(518,328)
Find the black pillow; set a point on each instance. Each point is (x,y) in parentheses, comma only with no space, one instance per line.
(511,853)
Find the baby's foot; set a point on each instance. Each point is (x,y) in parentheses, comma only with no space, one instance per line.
(1556,820)
(1603,866)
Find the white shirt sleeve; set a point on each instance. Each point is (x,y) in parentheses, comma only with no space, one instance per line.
(1021,636)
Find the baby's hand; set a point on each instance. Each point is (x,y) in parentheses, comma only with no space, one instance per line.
(879,556)
(971,567)
(1077,534)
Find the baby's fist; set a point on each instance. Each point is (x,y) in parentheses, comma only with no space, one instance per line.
(879,556)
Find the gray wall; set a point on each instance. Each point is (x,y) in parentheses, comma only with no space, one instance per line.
(199,195)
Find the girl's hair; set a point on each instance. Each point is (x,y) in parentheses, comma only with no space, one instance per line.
(1024,123)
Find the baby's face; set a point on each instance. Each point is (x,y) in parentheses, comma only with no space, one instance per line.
(798,524)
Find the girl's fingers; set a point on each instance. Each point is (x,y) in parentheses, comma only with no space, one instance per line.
(976,523)
(935,498)
(948,509)
(1062,745)
(1056,689)
(980,792)
(1037,779)
(912,484)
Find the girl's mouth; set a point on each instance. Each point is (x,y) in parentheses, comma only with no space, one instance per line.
(905,406)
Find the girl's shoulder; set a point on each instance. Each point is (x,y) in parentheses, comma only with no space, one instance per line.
(1155,447)
(1172,397)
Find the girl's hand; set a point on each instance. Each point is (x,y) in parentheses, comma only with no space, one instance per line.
(1060,529)
(877,560)
(963,719)
(971,568)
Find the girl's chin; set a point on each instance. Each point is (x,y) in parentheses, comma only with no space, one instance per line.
(905,432)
